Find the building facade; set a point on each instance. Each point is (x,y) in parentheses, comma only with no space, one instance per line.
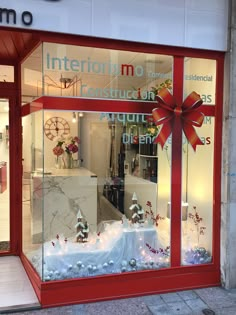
(124,128)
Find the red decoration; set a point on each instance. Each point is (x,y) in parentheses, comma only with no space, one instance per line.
(163,251)
(197,220)
(151,214)
(168,110)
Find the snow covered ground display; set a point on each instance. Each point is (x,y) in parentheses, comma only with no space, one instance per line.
(119,247)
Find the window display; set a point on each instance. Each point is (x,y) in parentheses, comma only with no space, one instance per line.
(108,188)
(96,217)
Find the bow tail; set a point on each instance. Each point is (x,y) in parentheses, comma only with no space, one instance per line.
(163,134)
(192,136)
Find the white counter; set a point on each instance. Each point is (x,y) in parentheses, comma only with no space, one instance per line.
(65,172)
(56,197)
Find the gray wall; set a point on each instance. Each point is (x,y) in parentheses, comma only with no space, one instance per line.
(228,209)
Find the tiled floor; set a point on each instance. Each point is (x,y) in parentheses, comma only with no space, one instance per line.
(16,291)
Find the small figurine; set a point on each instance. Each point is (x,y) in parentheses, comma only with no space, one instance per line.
(137,210)
(79,227)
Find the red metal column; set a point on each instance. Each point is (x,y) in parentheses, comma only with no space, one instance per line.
(176,167)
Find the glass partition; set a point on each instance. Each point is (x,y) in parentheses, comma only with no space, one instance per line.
(32,76)
(197,208)
(200,76)
(103,73)
(33,187)
(197,167)
(94,196)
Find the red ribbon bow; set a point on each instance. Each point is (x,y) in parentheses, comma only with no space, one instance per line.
(167,111)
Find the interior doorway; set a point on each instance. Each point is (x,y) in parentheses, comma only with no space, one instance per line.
(4,177)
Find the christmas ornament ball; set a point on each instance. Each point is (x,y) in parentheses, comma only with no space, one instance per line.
(57,273)
(89,267)
(79,263)
(132,262)
(105,265)
(202,250)
(70,267)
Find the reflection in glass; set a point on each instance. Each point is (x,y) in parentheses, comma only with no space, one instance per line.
(104,73)
(200,76)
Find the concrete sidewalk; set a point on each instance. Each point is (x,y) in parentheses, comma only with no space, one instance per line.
(208,301)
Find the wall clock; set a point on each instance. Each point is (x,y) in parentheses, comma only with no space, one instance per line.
(56,126)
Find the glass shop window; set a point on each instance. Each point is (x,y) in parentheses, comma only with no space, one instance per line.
(200,76)
(98,194)
(32,76)
(89,72)
(197,193)
(197,168)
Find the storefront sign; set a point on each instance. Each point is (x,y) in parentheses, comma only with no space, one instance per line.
(10,16)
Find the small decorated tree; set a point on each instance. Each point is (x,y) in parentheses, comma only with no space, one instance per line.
(82,229)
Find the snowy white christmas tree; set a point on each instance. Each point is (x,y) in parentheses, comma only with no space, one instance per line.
(82,229)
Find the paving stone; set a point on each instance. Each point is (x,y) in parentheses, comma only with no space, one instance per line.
(188,295)
(232,294)
(215,297)
(191,302)
(162,309)
(152,300)
(118,307)
(171,297)
(226,311)
(196,304)
(179,308)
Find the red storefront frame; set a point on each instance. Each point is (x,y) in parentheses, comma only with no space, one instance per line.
(146,282)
